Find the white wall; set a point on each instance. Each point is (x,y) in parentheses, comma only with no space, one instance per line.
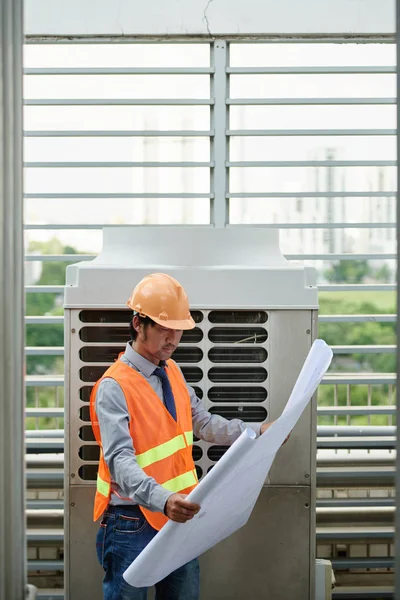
(223,17)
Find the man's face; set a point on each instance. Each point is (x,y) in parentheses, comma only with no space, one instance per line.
(155,341)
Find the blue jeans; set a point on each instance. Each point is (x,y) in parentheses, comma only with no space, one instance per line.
(123,534)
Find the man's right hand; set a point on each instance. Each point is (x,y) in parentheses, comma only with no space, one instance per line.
(180,510)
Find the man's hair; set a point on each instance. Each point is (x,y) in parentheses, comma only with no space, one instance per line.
(145,321)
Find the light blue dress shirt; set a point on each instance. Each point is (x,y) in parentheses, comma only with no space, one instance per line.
(130,484)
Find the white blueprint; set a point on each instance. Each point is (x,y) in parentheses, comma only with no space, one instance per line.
(229,492)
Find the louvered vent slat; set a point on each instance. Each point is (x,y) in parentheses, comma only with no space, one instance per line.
(89,452)
(105,316)
(88,472)
(103,354)
(120,335)
(84,413)
(86,433)
(237,355)
(238,316)
(237,394)
(119,316)
(237,335)
(84,393)
(239,374)
(192,374)
(216,452)
(91,373)
(197,452)
(249,414)
(184,354)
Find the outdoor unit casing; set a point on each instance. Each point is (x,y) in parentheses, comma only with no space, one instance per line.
(255,317)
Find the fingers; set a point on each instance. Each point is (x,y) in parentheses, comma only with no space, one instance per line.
(188,506)
(180,510)
(184,510)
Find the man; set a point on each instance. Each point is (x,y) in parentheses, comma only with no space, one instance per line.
(144,415)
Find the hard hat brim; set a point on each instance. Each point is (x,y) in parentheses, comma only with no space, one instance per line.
(170,324)
(184,325)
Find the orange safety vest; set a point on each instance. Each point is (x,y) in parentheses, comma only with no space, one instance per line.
(163,446)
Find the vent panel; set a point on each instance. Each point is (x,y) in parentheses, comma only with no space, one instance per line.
(192,336)
(92,374)
(89,452)
(86,433)
(120,335)
(105,316)
(105,334)
(237,355)
(237,374)
(237,394)
(197,316)
(192,374)
(88,472)
(216,452)
(84,413)
(103,354)
(119,316)
(183,354)
(249,414)
(238,316)
(84,393)
(238,335)
(197,453)
(198,391)
(225,359)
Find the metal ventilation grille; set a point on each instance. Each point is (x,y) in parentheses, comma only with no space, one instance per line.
(120,334)
(184,354)
(251,414)
(237,374)
(105,316)
(119,316)
(84,413)
(238,353)
(238,316)
(237,335)
(216,452)
(102,354)
(92,373)
(224,358)
(98,343)
(89,452)
(237,394)
(192,374)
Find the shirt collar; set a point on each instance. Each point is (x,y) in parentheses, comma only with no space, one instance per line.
(141,363)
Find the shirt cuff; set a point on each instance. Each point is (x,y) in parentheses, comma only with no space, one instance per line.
(159,498)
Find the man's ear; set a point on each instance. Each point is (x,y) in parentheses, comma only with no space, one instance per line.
(137,325)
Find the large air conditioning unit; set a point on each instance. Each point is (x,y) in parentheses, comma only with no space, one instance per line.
(256,318)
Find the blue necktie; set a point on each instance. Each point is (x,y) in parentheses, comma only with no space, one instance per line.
(167,391)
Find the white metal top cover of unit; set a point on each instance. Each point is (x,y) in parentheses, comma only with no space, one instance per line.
(238,267)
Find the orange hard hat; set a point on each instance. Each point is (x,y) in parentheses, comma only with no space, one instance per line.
(164,300)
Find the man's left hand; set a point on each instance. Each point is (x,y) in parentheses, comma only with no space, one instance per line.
(265,426)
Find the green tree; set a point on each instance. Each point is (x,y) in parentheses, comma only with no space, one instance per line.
(383,274)
(348,271)
(44,304)
(353,334)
